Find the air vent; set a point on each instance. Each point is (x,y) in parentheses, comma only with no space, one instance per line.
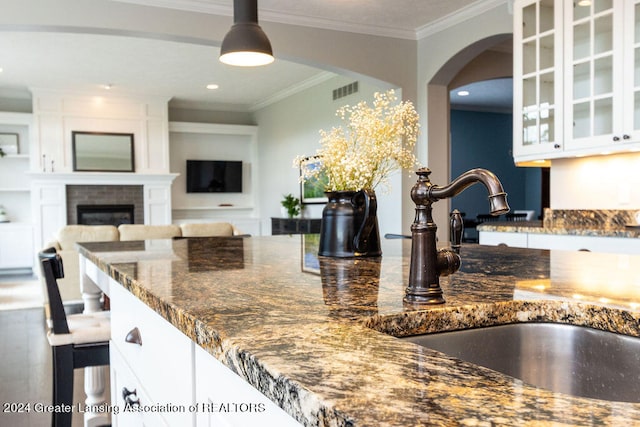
(343,91)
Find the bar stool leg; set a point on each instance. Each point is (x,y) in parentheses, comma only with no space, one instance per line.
(62,385)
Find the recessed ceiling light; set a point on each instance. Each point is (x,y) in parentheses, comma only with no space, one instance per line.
(463,93)
(584,3)
(107,86)
(212,86)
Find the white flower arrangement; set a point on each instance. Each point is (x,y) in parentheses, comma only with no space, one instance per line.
(375,142)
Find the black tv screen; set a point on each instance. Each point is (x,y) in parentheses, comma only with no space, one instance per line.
(214,176)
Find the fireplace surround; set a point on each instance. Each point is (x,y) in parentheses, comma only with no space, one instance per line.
(100,202)
(50,206)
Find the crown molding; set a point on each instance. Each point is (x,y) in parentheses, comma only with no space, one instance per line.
(459,16)
(330,24)
(212,7)
(216,7)
(306,84)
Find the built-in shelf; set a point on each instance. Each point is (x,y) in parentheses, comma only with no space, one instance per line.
(213,208)
(16,156)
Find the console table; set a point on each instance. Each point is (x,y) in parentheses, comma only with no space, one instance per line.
(295,226)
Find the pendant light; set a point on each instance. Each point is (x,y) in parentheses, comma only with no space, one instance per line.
(246,45)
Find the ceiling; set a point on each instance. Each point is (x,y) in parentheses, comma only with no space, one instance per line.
(180,71)
(494,95)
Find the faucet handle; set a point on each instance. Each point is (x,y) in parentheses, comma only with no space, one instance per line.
(457,228)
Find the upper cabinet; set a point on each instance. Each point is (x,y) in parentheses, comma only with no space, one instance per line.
(596,78)
(537,94)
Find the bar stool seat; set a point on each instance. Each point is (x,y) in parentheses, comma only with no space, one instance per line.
(84,328)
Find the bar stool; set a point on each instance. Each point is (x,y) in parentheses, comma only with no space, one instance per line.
(77,341)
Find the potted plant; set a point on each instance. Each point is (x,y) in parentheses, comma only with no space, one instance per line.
(292,205)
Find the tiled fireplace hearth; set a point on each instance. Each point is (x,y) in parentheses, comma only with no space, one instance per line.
(56,196)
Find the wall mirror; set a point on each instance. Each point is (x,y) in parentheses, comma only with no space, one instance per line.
(102,152)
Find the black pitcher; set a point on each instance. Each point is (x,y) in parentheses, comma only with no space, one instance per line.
(349,225)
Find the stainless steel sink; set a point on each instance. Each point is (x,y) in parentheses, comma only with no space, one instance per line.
(563,358)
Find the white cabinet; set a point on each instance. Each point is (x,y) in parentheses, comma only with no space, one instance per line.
(595,75)
(169,381)
(564,242)
(515,240)
(584,243)
(16,246)
(226,400)
(587,100)
(157,358)
(537,95)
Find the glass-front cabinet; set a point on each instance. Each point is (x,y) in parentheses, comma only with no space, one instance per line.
(632,65)
(587,100)
(537,78)
(594,108)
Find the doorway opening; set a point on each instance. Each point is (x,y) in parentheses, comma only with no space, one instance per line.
(474,90)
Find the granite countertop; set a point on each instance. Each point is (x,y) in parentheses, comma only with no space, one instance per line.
(539,228)
(313,334)
(575,222)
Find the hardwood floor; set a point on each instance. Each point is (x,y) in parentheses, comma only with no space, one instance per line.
(25,369)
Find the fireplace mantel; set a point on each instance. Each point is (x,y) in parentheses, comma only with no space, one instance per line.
(49,199)
(103,178)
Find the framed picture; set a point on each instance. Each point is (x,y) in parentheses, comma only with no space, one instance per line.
(9,143)
(102,152)
(309,245)
(312,189)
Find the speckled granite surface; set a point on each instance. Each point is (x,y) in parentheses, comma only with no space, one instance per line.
(602,223)
(305,331)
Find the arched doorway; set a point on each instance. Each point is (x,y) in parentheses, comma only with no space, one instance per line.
(487,59)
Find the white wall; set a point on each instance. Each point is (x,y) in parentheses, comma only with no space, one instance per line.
(290,128)
(603,182)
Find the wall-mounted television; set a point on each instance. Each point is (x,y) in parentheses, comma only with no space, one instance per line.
(214,176)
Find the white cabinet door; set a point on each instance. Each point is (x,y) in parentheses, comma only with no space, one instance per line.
(631,66)
(593,37)
(538,62)
(226,400)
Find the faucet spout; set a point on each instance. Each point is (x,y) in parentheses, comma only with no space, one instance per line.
(497,196)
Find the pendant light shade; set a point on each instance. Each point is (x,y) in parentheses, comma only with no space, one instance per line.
(245,44)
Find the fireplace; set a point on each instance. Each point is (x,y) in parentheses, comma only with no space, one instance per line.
(105,214)
(105,197)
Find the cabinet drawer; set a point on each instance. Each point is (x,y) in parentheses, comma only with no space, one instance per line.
(161,360)
(124,383)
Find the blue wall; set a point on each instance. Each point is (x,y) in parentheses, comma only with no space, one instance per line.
(484,140)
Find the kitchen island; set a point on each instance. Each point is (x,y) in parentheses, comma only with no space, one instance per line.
(314,334)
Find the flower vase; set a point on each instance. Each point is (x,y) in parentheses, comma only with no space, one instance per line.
(349,226)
